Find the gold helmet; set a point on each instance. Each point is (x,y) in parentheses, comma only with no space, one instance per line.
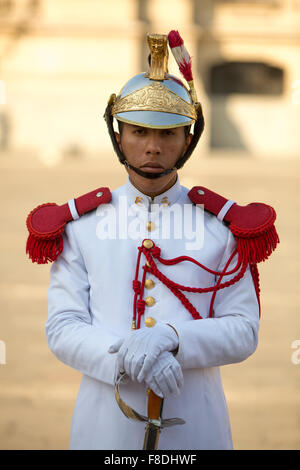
(157,99)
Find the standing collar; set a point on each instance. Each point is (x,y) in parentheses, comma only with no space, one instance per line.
(165,199)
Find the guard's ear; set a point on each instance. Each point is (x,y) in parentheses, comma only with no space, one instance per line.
(188,141)
(189,138)
(118,140)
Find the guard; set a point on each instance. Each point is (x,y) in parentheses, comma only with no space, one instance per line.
(153,286)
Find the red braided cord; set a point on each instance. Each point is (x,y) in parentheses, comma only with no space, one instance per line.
(169,262)
(255,277)
(239,276)
(139,305)
(183,299)
(199,290)
(136,286)
(175,287)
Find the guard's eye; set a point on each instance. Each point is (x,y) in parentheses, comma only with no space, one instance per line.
(139,131)
(168,132)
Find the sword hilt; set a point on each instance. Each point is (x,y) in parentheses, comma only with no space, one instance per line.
(155,405)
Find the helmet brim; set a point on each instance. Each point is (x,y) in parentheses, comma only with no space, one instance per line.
(154,119)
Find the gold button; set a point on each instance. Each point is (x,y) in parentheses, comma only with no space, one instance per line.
(149,322)
(138,200)
(149,284)
(148,264)
(150,226)
(148,244)
(150,301)
(165,201)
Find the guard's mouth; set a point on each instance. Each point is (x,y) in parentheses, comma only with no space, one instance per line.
(152,167)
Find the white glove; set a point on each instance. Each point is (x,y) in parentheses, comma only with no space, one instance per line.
(142,347)
(165,378)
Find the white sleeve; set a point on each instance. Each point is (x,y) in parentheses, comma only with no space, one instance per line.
(70,332)
(232,334)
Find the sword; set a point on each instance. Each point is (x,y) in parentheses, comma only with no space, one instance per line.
(154,420)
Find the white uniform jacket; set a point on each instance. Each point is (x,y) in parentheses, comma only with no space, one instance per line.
(91,303)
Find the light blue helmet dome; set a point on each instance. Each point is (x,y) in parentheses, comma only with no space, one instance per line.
(152,103)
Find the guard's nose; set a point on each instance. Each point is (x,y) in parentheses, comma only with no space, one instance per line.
(153,144)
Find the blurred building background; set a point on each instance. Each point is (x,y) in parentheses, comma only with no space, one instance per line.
(61,59)
(59,62)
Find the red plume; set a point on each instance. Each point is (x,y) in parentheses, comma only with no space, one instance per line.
(181,55)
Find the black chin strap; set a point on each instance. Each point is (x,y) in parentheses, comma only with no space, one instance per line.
(198,129)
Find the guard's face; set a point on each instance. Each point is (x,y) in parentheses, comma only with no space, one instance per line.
(152,151)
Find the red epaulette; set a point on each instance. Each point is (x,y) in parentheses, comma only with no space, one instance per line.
(46,224)
(252,225)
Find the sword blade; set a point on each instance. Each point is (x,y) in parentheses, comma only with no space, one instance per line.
(151,437)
